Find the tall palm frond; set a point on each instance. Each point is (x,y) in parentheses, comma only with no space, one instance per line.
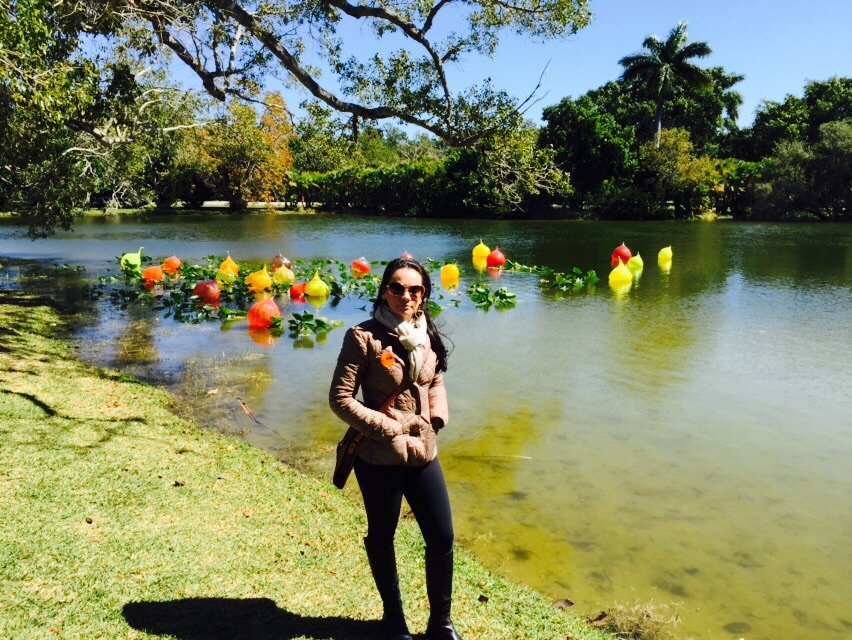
(665,66)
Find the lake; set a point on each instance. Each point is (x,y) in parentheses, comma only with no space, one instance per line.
(689,440)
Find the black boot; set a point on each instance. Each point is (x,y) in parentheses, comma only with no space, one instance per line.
(383,564)
(439,588)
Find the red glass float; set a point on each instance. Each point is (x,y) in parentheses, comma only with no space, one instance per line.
(495,258)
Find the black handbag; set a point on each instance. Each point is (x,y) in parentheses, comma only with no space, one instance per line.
(347,448)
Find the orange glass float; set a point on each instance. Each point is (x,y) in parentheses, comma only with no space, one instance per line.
(261,313)
(360,267)
(172,265)
(153,274)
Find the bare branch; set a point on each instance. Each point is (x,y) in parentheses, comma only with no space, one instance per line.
(194,125)
(95,152)
(523,107)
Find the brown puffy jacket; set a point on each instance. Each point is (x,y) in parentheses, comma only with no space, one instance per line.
(404,433)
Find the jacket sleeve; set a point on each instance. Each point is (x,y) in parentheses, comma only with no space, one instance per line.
(351,366)
(438,407)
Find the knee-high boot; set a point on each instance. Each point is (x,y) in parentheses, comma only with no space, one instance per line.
(383,565)
(439,588)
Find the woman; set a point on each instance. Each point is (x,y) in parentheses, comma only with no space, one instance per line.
(400,349)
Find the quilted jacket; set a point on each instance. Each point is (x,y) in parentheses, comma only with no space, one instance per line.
(404,433)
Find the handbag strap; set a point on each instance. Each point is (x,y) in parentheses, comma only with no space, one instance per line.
(395,393)
(388,402)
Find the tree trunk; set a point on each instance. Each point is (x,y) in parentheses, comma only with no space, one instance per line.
(658,123)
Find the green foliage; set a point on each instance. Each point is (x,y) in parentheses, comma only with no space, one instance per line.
(734,190)
(573,280)
(665,66)
(401,189)
(321,142)
(484,298)
(672,173)
(77,131)
(506,175)
(305,324)
(796,119)
(502,177)
(589,144)
(811,179)
(248,158)
(233,46)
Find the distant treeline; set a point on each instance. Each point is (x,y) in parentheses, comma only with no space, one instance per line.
(89,117)
(596,156)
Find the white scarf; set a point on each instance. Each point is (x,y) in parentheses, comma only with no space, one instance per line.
(412,335)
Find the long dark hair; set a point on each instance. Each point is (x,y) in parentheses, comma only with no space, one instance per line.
(435,336)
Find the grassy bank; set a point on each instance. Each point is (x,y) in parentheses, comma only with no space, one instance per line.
(121,520)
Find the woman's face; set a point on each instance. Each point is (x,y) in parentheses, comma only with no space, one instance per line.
(404,292)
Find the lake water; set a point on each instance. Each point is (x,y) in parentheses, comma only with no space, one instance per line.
(689,440)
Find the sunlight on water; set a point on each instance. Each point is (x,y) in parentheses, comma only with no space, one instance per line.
(688,440)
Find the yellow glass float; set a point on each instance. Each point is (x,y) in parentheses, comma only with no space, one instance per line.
(225,278)
(283,275)
(228,264)
(621,289)
(636,263)
(620,275)
(259,280)
(480,264)
(481,251)
(450,276)
(664,259)
(317,288)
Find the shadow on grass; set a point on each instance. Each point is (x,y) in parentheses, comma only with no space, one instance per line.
(28,396)
(237,619)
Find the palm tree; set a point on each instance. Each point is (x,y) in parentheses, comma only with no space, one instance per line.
(665,66)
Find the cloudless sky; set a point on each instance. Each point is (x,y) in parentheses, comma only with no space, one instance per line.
(778,45)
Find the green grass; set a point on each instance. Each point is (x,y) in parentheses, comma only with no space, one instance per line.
(122,520)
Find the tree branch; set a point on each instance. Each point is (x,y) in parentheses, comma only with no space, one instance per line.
(431,17)
(271,42)
(193,63)
(408,29)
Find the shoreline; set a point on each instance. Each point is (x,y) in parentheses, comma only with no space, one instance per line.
(140,522)
(283,209)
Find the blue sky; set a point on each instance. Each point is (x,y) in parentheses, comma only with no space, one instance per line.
(777,45)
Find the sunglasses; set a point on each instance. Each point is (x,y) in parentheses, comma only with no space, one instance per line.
(397,289)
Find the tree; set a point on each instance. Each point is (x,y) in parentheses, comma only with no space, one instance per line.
(814,179)
(77,129)
(665,66)
(56,63)
(509,176)
(796,119)
(249,159)
(672,173)
(589,144)
(321,141)
(233,44)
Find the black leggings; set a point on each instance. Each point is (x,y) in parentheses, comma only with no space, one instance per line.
(383,487)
